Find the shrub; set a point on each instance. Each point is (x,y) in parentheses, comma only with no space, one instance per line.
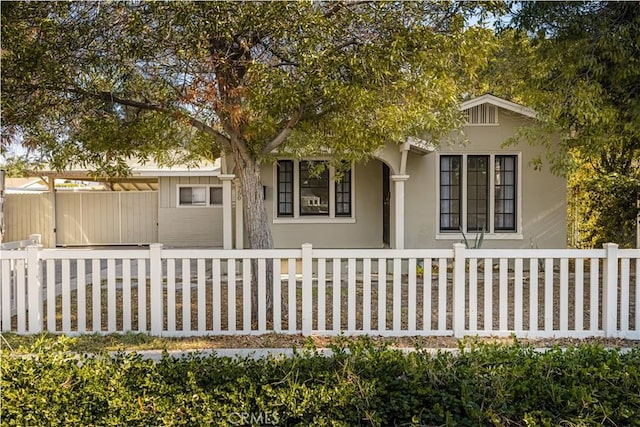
(360,384)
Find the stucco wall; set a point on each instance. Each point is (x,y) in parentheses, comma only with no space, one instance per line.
(365,231)
(543,204)
(187,226)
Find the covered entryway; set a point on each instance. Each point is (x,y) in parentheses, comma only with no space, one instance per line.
(394,175)
(106,218)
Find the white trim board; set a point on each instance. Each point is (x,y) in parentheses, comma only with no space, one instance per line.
(499,102)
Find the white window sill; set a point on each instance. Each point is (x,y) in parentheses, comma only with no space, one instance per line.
(314,220)
(472,236)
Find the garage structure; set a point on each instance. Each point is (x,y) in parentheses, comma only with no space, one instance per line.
(176,206)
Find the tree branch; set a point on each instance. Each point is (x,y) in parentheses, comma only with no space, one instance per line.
(343,4)
(284,133)
(201,126)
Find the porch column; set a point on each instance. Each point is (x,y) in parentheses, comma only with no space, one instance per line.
(239,219)
(227,225)
(398,197)
(51,182)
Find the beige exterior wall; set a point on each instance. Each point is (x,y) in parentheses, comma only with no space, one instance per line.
(187,226)
(541,209)
(364,230)
(543,195)
(27,214)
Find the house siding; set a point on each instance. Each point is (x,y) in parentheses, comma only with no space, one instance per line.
(187,226)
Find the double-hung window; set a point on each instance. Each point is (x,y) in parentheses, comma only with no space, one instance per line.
(199,195)
(478,192)
(308,189)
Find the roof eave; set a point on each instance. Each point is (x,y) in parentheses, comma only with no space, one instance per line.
(499,102)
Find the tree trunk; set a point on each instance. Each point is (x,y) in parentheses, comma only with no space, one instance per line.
(257,226)
(256,220)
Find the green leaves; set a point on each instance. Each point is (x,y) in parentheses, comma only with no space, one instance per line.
(578,65)
(96,83)
(361,384)
(363,73)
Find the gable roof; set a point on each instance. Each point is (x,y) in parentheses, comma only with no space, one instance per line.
(499,102)
(423,145)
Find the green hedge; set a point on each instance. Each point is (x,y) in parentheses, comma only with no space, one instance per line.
(360,385)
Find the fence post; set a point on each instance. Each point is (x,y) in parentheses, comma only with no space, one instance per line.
(34,289)
(610,290)
(307,290)
(459,262)
(156,290)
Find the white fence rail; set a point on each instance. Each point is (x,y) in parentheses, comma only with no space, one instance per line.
(181,292)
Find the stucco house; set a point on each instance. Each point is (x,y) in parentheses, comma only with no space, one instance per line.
(412,195)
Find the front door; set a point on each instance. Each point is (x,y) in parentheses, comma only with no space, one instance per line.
(386,206)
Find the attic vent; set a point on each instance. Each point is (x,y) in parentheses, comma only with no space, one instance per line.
(483,114)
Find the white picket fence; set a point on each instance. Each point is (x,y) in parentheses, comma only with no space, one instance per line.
(458,291)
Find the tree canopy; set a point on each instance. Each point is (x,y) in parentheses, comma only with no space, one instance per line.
(578,65)
(96,83)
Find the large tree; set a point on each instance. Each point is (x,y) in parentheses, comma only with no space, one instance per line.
(96,83)
(578,65)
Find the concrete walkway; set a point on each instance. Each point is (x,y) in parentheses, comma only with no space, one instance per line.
(259,353)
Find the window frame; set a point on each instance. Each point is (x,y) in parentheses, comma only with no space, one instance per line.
(298,216)
(292,192)
(450,199)
(207,188)
(327,187)
(516,193)
(491,233)
(469,185)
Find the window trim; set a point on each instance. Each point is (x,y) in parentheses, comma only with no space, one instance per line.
(207,195)
(491,233)
(332,218)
